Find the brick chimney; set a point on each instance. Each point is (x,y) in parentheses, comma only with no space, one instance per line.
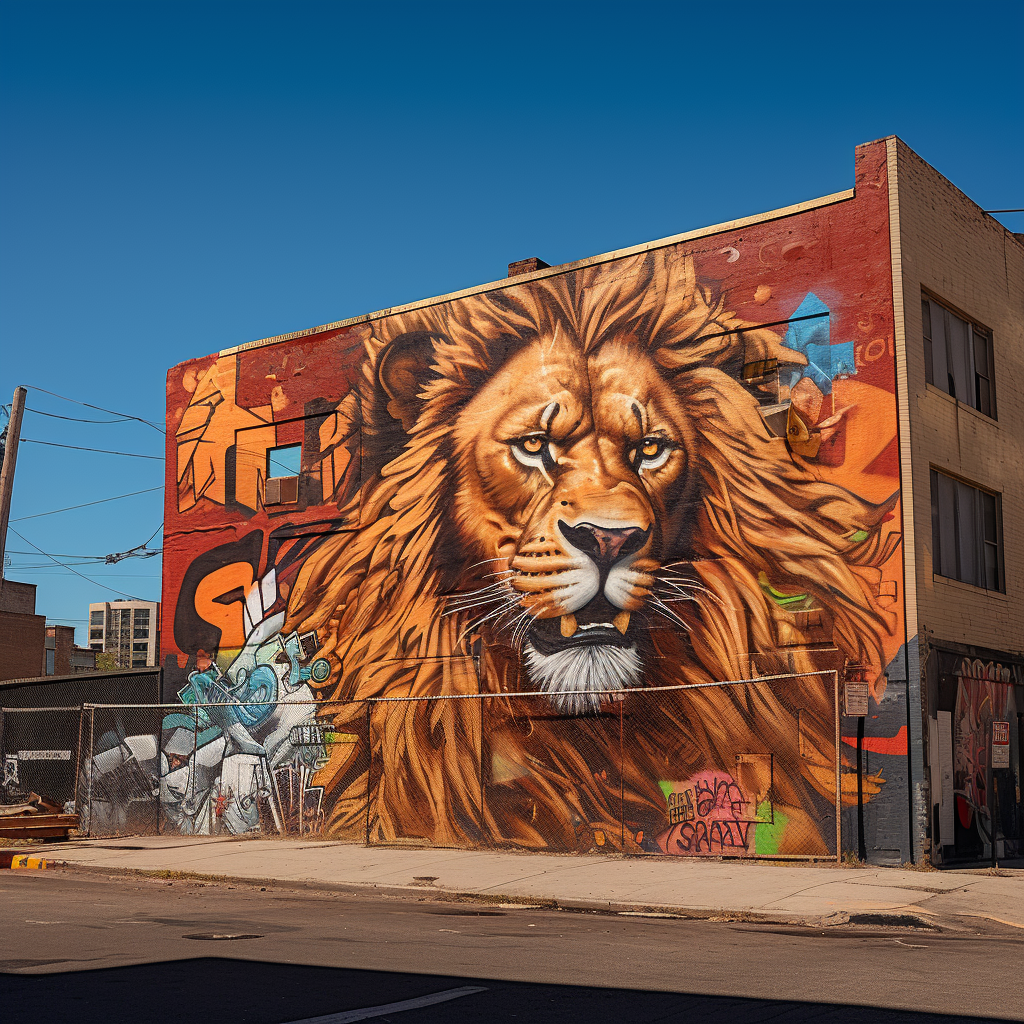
(527,266)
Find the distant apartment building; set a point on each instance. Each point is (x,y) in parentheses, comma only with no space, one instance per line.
(129,630)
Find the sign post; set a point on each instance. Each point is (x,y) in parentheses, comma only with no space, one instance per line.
(855,704)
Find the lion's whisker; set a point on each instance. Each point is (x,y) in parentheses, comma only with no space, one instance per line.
(688,583)
(663,609)
(477,623)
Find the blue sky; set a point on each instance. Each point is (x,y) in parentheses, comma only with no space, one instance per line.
(179,177)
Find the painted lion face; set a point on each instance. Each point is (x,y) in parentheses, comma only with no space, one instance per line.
(572,470)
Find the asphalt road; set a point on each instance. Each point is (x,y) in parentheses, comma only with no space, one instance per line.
(95,950)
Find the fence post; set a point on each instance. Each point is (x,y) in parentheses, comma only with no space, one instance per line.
(159,761)
(78,754)
(369,768)
(839,780)
(194,761)
(92,771)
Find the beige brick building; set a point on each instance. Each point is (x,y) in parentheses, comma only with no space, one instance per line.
(958,284)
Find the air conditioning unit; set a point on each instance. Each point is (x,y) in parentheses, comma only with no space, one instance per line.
(281,490)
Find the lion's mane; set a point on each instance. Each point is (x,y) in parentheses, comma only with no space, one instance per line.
(506,769)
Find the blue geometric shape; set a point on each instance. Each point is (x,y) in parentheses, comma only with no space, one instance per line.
(811,338)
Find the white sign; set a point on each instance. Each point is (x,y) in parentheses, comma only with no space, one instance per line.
(1000,744)
(856,699)
(44,755)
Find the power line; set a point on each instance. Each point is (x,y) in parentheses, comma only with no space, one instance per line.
(105,451)
(98,408)
(35,569)
(139,551)
(100,558)
(75,419)
(95,583)
(71,508)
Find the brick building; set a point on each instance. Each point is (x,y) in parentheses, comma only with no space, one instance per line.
(63,656)
(22,632)
(959,301)
(823,427)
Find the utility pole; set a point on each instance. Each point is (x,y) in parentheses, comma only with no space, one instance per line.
(7,472)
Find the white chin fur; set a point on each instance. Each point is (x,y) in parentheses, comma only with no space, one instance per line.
(601,669)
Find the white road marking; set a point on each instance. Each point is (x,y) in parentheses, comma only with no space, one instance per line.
(346,1016)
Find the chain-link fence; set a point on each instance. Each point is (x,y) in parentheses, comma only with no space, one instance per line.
(745,768)
(39,749)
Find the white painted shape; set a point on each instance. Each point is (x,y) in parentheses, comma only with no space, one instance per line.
(367,1012)
(269,587)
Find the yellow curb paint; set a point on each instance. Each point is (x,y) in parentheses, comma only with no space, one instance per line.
(26,862)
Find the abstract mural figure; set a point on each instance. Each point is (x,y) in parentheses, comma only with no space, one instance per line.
(222,762)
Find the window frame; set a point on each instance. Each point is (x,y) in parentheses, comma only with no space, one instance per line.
(978,382)
(984,544)
(280,448)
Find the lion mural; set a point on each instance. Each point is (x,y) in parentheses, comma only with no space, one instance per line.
(567,490)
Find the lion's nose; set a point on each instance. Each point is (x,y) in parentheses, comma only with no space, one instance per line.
(604,546)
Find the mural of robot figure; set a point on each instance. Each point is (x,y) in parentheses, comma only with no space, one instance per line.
(238,757)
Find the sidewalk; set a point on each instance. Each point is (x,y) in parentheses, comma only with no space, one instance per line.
(702,887)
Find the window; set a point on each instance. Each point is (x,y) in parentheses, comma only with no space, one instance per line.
(138,662)
(95,618)
(284,461)
(95,634)
(140,632)
(49,662)
(283,465)
(958,357)
(967,533)
(140,648)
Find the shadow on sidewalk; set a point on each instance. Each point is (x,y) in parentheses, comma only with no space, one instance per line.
(216,990)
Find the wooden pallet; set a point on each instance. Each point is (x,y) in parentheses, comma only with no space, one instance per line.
(50,827)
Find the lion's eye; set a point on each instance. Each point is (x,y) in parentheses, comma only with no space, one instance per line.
(534,451)
(651,453)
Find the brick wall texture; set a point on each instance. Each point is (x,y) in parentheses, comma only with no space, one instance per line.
(22,639)
(970,262)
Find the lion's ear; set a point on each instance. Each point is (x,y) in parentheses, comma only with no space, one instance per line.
(403,368)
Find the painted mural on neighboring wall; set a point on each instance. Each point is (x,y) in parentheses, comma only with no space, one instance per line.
(984,694)
(677,467)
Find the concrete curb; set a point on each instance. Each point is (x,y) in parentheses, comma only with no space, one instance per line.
(899,918)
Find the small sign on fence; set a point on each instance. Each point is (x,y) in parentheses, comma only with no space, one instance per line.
(1000,744)
(855,699)
(44,755)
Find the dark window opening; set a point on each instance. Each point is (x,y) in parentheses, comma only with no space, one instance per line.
(958,357)
(967,533)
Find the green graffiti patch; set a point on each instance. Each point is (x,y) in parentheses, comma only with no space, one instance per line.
(781,599)
(666,788)
(768,835)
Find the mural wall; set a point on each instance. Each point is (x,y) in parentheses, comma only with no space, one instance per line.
(677,467)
